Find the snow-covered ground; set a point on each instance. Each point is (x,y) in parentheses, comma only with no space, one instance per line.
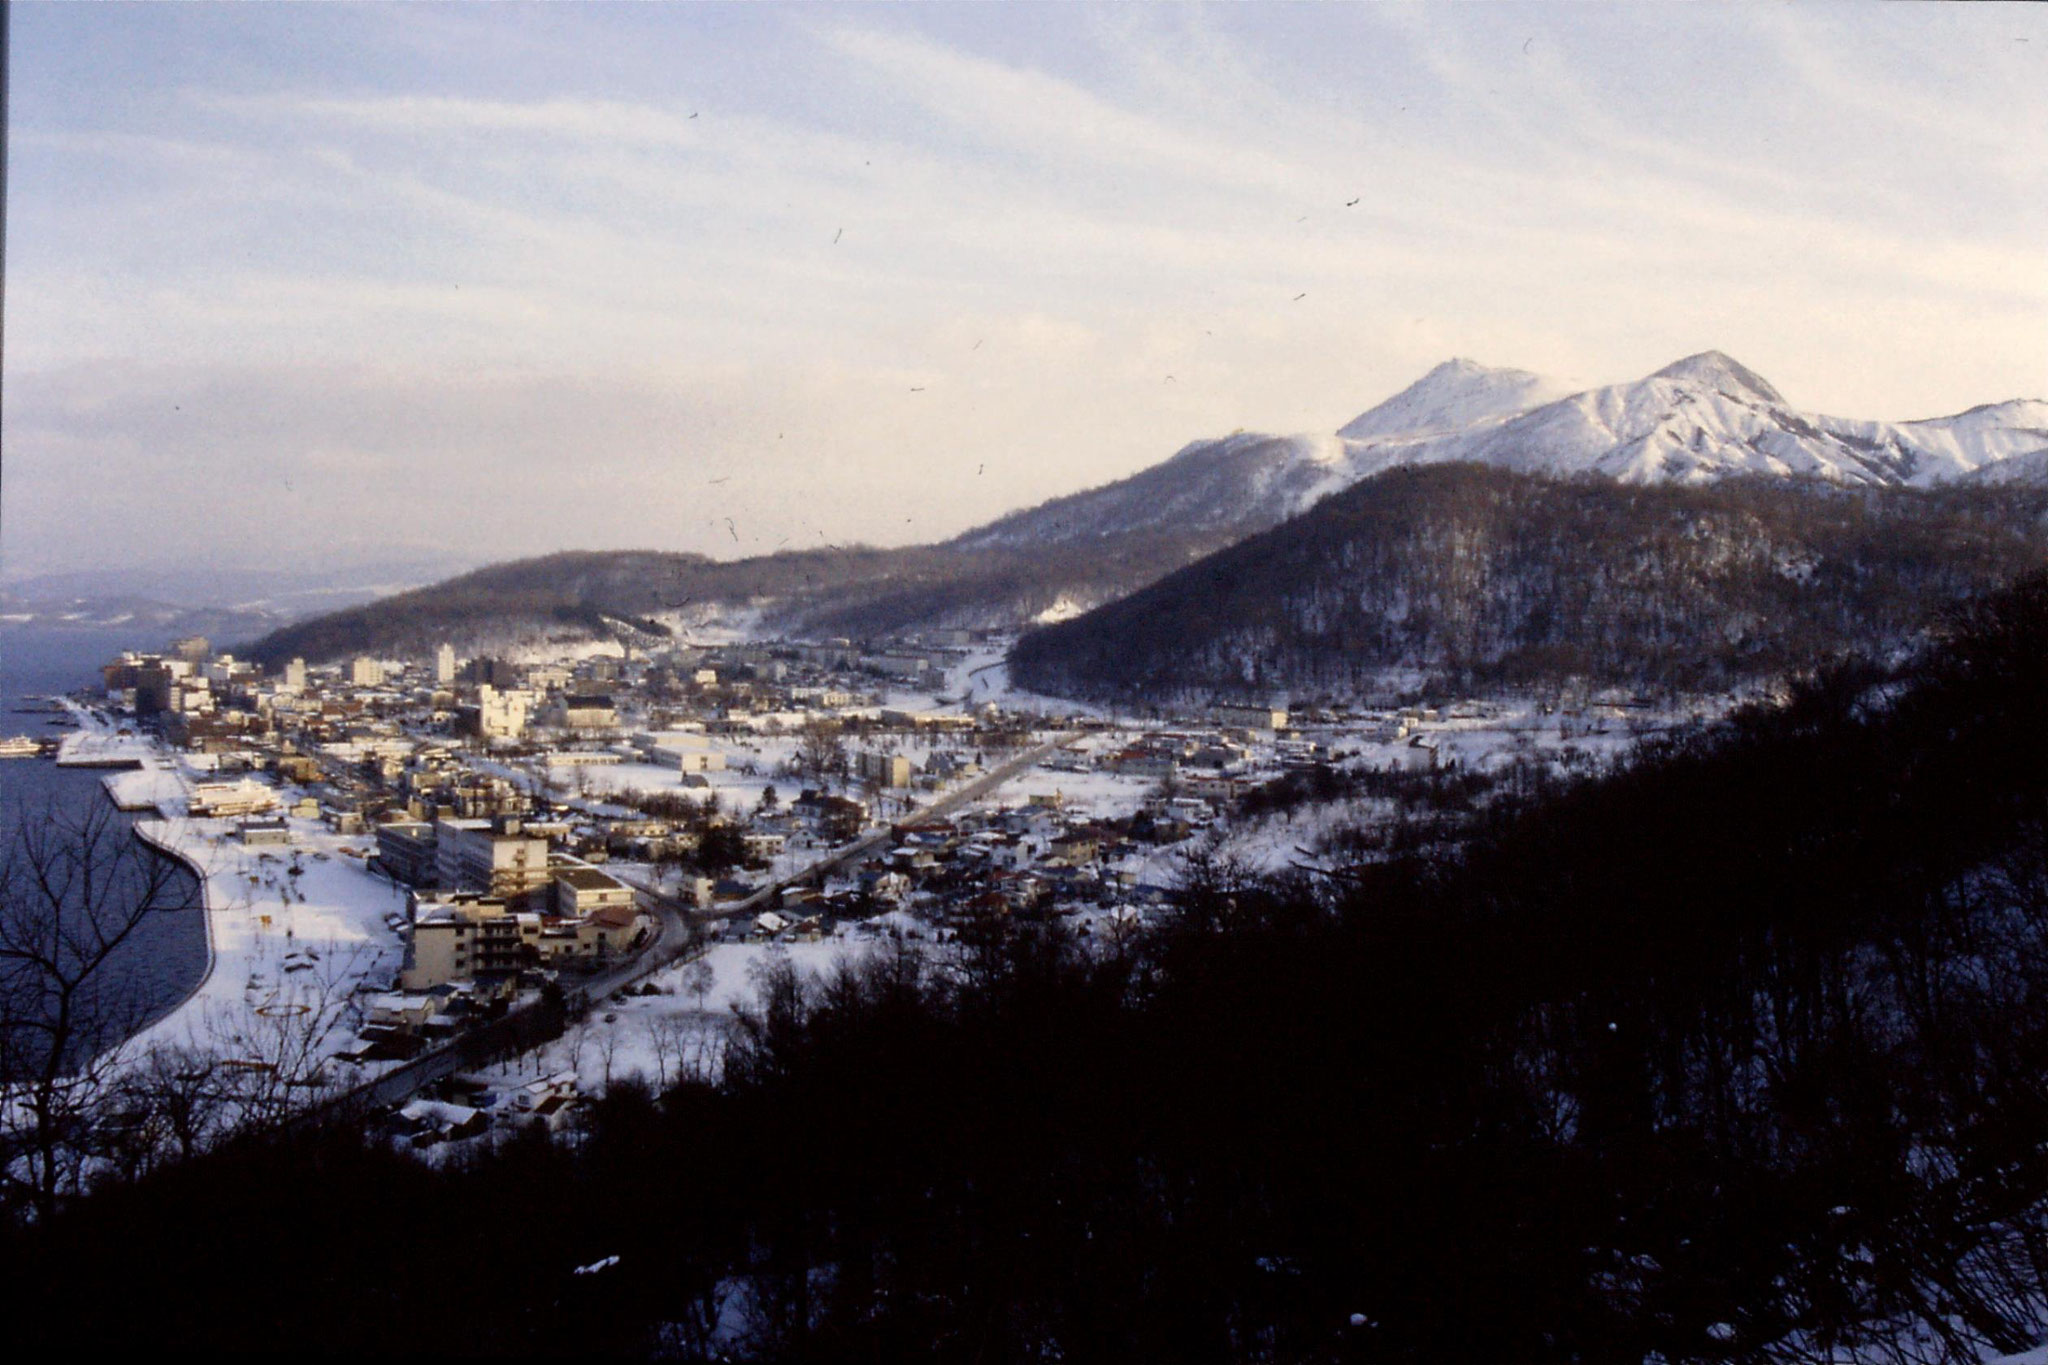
(678,1030)
(98,743)
(1097,793)
(735,789)
(712,623)
(984,676)
(152,787)
(551,651)
(292,930)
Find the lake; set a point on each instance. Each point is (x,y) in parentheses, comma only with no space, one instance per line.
(166,958)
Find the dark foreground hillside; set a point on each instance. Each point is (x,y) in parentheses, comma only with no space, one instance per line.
(1477,576)
(1739,1054)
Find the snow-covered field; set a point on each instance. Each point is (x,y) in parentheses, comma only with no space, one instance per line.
(1097,793)
(293,932)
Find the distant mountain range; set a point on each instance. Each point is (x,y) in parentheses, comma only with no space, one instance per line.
(1698,421)
(223,602)
(1701,419)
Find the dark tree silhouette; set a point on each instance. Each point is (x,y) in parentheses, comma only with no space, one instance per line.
(75,890)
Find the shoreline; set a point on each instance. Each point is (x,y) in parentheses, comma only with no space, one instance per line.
(120,757)
(125,754)
(165,848)
(326,907)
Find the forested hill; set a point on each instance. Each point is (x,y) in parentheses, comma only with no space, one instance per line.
(852,591)
(1480,576)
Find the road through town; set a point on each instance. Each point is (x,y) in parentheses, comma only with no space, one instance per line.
(679,930)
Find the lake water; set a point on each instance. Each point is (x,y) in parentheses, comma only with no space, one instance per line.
(166,957)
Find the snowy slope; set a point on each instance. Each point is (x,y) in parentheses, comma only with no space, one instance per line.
(1243,482)
(2029,467)
(1458,395)
(1249,481)
(1695,421)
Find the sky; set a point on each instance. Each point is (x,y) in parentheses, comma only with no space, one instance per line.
(310,285)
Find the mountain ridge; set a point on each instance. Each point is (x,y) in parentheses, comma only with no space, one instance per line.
(1703,417)
(1698,420)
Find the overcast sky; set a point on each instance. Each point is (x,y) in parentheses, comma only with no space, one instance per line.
(299,283)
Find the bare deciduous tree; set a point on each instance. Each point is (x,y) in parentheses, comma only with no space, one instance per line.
(75,891)
(670,1042)
(698,978)
(608,1048)
(821,749)
(178,1089)
(272,1053)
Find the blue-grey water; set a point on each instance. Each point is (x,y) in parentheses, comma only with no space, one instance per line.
(166,957)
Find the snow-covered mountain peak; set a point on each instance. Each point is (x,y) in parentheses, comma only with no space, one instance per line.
(1722,372)
(1454,396)
(1699,419)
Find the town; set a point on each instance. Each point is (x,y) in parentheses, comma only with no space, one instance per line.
(624,833)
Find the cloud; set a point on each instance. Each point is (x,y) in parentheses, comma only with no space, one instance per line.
(583,120)
(899,247)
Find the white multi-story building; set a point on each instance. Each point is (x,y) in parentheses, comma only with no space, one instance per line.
(687,751)
(883,770)
(444,664)
(1250,717)
(502,714)
(215,800)
(473,855)
(457,937)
